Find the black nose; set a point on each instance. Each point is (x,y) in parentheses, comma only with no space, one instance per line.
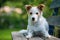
(33,19)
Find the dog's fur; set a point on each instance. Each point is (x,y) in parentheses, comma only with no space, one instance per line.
(36,21)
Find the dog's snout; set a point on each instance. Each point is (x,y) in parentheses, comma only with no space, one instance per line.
(33,19)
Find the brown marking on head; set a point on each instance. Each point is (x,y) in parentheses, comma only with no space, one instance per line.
(41,6)
(28,7)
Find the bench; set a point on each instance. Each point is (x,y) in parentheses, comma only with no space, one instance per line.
(17,36)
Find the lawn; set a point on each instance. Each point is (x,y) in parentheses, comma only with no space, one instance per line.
(5,34)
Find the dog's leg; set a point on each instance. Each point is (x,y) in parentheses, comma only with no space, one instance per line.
(29,35)
(46,34)
(23,32)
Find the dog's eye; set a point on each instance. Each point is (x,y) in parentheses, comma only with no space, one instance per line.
(36,13)
(31,13)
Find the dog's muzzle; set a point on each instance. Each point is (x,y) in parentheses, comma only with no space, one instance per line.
(33,19)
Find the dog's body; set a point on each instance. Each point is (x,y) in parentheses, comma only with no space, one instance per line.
(36,22)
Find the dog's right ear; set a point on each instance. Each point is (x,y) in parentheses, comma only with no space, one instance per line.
(41,6)
(28,7)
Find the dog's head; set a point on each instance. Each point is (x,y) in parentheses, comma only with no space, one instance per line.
(34,12)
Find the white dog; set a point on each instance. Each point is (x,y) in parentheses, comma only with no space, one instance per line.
(36,21)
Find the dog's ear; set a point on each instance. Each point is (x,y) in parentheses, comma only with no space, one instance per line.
(28,7)
(41,6)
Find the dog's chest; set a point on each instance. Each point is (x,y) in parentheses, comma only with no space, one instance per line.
(36,27)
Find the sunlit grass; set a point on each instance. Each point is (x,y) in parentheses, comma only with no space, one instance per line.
(6,34)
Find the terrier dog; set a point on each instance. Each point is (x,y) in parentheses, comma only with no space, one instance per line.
(36,22)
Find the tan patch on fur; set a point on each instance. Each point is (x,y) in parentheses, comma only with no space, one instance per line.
(41,6)
(28,7)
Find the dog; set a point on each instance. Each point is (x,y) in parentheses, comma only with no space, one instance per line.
(36,22)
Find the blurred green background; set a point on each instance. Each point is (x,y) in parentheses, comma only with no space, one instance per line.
(16,20)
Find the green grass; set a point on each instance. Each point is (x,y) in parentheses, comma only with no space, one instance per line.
(6,34)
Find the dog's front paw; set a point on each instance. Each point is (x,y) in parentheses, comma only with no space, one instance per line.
(28,36)
(49,36)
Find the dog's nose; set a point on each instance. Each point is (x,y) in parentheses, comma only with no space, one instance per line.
(33,19)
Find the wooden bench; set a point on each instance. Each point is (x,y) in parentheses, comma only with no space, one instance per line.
(54,20)
(17,36)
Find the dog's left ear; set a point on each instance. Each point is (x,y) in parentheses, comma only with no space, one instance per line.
(41,6)
(28,7)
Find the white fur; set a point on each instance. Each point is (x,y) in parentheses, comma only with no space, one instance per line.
(40,23)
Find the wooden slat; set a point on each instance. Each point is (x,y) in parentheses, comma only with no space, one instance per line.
(17,36)
(54,20)
(55,4)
